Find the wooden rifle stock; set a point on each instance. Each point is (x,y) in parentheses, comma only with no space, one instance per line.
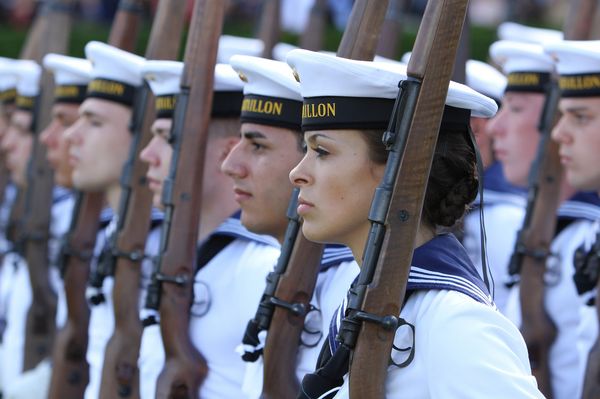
(312,37)
(40,324)
(391,30)
(185,369)
(297,277)
(375,303)
(70,370)
(120,374)
(533,247)
(270,25)
(534,239)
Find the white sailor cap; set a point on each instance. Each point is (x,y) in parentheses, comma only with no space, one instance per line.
(271,93)
(164,79)
(281,50)
(346,94)
(71,77)
(480,77)
(115,74)
(527,34)
(527,66)
(8,81)
(485,79)
(578,64)
(237,45)
(29,74)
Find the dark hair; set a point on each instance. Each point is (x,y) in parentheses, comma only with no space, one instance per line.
(453,181)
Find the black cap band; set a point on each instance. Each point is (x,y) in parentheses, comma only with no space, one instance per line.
(165,106)
(26,103)
(227,103)
(224,104)
(324,113)
(111,90)
(320,113)
(8,96)
(271,111)
(70,94)
(533,82)
(580,85)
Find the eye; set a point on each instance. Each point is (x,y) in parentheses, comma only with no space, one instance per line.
(321,152)
(581,119)
(257,146)
(95,123)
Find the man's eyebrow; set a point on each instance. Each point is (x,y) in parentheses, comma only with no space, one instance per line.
(251,135)
(576,108)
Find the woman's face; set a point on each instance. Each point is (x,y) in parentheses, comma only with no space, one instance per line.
(337,181)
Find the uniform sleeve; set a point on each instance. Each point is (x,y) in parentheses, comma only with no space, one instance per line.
(472,351)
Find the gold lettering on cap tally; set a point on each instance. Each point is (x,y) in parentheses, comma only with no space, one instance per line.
(258,106)
(523,79)
(320,110)
(584,82)
(165,103)
(66,91)
(25,102)
(103,86)
(8,94)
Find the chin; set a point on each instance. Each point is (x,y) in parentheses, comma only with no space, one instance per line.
(314,234)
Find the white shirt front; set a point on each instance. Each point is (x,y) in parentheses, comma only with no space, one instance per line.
(463,349)
(226,295)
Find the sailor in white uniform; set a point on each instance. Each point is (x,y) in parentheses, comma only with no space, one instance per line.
(18,296)
(445,293)
(578,64)
(232,263)
(99,146)
(520,61)
(259,165)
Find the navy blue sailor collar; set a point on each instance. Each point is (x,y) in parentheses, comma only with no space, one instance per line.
(582,205)
(443,264)
(232,227)
(333,255)
(60,193)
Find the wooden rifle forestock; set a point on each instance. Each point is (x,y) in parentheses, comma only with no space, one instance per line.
(120,374)
(297,284)
(40,324)
(185,369)
(270,25)
(538,329)
(70,370)
(432,61)
(312,37)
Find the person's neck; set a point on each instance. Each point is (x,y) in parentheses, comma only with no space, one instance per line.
(566,191)
(215,211)
(113,197)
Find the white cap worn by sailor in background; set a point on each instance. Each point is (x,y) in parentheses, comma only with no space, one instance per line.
(578,64)
(68,70)
(29,74)
(527,34)
(485,79)
(271,93)
(236,45)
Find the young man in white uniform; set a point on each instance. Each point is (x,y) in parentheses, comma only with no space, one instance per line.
(270,146)
(516,137)
(18,143)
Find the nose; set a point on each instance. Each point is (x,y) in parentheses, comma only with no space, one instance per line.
(299,176)
(560,132)
(8,141)
(48,135)
(233,165)
(496,126)
(73,134)
(149,154)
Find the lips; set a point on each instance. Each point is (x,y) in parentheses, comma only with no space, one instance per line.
(241,195)
(304,206)
(153,184)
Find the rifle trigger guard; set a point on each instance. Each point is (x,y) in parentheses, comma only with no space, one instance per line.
(297,309)
(179,280)
(388,323)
